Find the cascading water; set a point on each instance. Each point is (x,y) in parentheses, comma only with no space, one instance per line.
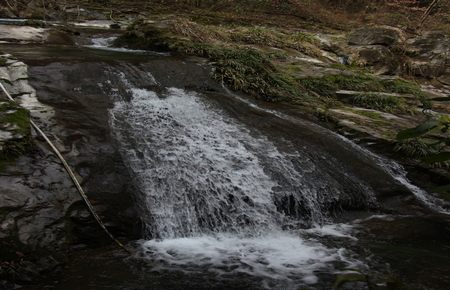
(214,193)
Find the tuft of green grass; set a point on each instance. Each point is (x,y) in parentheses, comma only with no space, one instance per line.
(328,85)
(379,102)
(415,148)
(299,41)
(244,69)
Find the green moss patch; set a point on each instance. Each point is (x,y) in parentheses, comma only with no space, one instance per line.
(18,121)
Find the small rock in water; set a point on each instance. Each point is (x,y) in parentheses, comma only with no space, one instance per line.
(114,26)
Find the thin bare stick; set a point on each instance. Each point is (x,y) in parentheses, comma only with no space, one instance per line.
(427,13)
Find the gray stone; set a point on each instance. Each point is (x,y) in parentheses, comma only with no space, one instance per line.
(4,74)
(10,201)
(39,228)
(428,69)
(376,35)
(445,78)
(375,54)
(20,87)
(430,44)
(18,71)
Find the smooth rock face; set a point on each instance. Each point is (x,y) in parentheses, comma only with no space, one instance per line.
(35,197)
(375,54)
(35,193)
(18,71)
(376,35)
(4,74)
(430,54)
(445,78)
(21,33)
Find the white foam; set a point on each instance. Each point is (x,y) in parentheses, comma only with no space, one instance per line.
(277,256)
(333,230)
(105,43)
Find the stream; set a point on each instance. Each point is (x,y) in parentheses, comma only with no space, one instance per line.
(215,190)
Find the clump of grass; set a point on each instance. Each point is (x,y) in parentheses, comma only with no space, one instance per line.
(420,148)
(20,118)
(240,67)
(299,41)
(415,148)
(379,102)
(244,69)
(197,32)
(328,85)
(401,86)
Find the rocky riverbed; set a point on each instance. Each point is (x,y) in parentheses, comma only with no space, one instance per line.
(47,234)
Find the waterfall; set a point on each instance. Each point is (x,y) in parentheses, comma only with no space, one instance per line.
(212,191)
(201,172)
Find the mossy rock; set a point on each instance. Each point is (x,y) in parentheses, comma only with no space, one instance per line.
(15,132)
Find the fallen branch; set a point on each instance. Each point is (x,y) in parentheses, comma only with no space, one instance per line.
(427,13)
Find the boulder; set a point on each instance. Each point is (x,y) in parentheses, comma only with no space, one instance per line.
(445,78)
(379,57)
(59,37)
(376,35)
(427,68)
(20,87)
(430,44)
(18,71)
(4,74)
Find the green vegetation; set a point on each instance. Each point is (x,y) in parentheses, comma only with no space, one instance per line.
(303,42)
(19,119)
(385,103)
(241,67)
(429,141)
(329,84)
(375,116)
(415,148)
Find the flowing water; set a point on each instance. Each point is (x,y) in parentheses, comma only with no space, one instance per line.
(228,191)
(213,194)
